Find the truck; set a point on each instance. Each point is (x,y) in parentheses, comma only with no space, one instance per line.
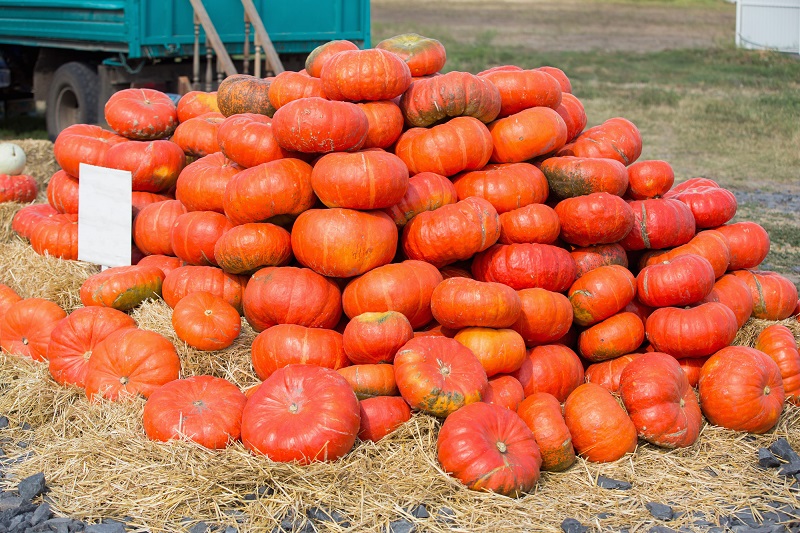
(71,55)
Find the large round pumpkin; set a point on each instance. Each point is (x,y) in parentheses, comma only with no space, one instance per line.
(462,143)
(290,344)
(649,179)
(194,235)
(525,266)
(576,176)
(615,336)
(375,337)
(385,123)
(601,293)
(62,192)
(534,223)
(242,93)
(371,179)
(141,114)
(551,368)
(26,327)
(83,143)
(246,248)
(773,294)
(201,184)
(462,302)
(154,165)
(748,242)
(248,140)
(659,223)
(545,316)
(694,332)
(506,187)
(684,280)
(316,125)
(500,351)
(527,134)
(597,218)
(205,321)
(152,227)
(455,94)
(371,74)
(523,89)
(778,342)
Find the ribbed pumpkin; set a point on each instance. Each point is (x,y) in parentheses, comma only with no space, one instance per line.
(711,245)
(165,263)
(194,235)
(741,389)
(525,266)
(506,187)
(590,257)
(711,205)
(427,191)
(83,143)
(385,123)
(616,138)
(500,351)
(141,199)
(369,381)
(246,248)
(615,336)
(289,86)
(62,192)
(544,318)
(188,279)
(659,223)
(462,143)
(694,332)
(404,287)
(748,242)
(205,321)
(551,368)
(153,226)
(242,93)
(577,176)
(197,137)
(597,218)
(357,75)
(281,187)
(26,327)
(607,373)
(291,295)
(201,185)
(527,134)
(371,179)
(291,344)
(601,293)
(247,139)
(774,296)
(541,412)
(503,390)
(455,94)
(573,113)
(122,287)
(778,342)
(316,125)
(196,103)
(684,280)
(452,232)
(8,297)
(649,179)
(534,223)
(660,401)
(56,236)
(461,302)
(29,217)
(734,293)
(141,114)
(323,52)
(343,243)
(522,89)
(375,337)
(382,415)
(423,55)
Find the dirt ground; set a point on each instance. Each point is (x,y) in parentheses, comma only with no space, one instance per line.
(566,26)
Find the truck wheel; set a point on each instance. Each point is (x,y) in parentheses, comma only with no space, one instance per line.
(72,97)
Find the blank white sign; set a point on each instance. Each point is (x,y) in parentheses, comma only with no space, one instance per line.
(104,215)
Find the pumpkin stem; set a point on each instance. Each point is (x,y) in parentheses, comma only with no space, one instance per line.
(293,408)
(200,404)
(501,446)
(124,380)
(766,390)
(25,341)
(444,369)
(683,403)
(86,355)
(208,312)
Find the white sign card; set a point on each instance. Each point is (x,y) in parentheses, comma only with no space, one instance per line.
(104,216)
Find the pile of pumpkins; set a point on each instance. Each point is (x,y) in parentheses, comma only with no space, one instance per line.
(401,239)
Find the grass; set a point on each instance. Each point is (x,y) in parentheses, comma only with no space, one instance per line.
(23,127)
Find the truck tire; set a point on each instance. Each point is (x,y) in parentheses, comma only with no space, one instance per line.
(72,97)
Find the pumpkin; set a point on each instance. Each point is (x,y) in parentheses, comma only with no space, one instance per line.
(500,351)
(423,55)
(246,248)
(205,321)
(545,316)
(649,179)
(684,280)
(601,430)
(29,217)
(123,287)
(710,204)
(778,342)
(12,159)
(317,125)
(203,409)
(527,134)
(660,402)
(734,293)
(694,332)
(534,223)
(164,263)
(281,187)
(560,77)
(488,447)
(462,143)
(748,242)
(541,412)
(462,302)
(56,236)
(62,192)
(452,232)
(404,287)
(659,223)
(130,362)
(607,373)
(597,218)
(242,93)
(187,279)
(551,368)
(358,75)
(774,296)
(711,245)
(291,344)
(369,381)
(503,390)
(438,375)
(373,337)
(196,103)
(615,336)
(303,414)
(289,86)
(616,138)
(523,89)
(590,257)
(141,114)
(75,337)
(385,123)
(83,143)
(8,297)
(291,295)
(323,52)
(141,199)
(372,179)
(194,235)
(455,94)
(197,137)
(577,176)
(427,191)
(741,389)
(506,187)
(154,165)
(573,113)
(601,293)
(247,140)
(525,266)
(343,243)
(153,225)
(19,188)
(26,326)
(381,415)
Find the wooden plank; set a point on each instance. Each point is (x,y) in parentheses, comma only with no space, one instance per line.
(213,37)
(269,50)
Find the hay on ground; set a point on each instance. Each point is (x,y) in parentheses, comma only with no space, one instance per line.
(7,212)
